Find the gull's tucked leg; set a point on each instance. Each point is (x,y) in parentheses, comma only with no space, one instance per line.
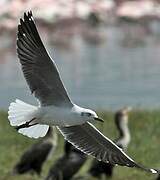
(27,124)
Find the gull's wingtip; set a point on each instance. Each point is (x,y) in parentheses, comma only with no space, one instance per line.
(151,170)
(155,171)
(28,13)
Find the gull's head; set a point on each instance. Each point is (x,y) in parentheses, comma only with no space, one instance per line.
(90,115)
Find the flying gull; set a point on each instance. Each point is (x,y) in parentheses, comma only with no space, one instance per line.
(55,107)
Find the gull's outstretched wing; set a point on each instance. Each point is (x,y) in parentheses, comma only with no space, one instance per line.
(39,69)
(92,142)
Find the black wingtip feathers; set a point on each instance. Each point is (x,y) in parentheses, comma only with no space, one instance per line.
(28,15)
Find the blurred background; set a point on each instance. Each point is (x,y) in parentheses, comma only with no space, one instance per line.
(107,51)
(108,55)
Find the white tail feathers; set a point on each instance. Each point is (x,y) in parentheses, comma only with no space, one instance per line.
(35,131)
(19,113)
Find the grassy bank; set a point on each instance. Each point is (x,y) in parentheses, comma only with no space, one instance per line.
(144,146)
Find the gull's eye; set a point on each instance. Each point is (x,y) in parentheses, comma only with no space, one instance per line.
(86,114)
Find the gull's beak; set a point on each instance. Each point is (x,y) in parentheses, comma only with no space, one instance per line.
(98,119)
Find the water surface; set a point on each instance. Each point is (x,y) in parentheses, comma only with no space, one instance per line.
(121,67)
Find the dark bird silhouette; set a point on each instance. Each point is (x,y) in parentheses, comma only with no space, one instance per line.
(67,165)
(33,158)
(121,120)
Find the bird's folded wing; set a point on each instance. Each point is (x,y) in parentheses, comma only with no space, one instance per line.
(92,142)
(39,69)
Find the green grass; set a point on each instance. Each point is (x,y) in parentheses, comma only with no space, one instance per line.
(144,146)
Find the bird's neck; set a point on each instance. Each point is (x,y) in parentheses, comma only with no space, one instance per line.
(124,133)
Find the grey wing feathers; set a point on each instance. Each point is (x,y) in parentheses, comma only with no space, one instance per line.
(92,142)
(39,69)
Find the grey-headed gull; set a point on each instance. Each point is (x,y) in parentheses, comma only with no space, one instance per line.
(55,107)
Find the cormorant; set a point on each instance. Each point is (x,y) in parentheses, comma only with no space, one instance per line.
(68,164)
(33,158)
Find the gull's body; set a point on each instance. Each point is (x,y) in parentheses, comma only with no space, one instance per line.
(55,106)
(60,116)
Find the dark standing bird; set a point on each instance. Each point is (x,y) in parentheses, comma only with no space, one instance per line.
(55,107)
(121,120)
(33,158)
(67,165)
